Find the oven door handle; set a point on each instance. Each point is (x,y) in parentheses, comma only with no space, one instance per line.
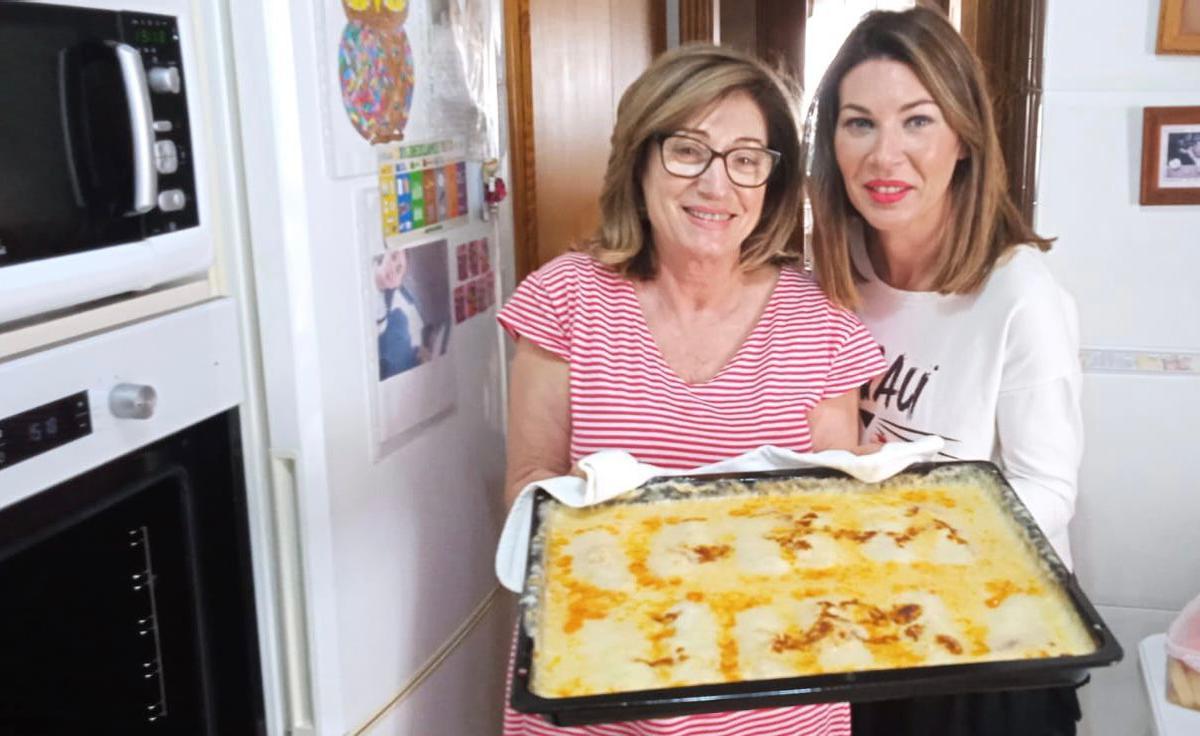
(141,127)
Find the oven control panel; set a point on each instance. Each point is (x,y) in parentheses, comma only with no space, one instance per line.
(44,428)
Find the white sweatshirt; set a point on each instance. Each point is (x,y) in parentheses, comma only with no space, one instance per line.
(996,373)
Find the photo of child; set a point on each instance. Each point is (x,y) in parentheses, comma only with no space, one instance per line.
(412,314)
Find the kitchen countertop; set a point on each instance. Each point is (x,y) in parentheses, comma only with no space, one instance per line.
(1169,719)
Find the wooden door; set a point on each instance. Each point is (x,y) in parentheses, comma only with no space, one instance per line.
(568,63)
(1008,37)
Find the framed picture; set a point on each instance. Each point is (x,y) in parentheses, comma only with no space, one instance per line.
(1179,27)
(1170,155)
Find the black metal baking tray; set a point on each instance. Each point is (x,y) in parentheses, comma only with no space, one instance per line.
(840,687)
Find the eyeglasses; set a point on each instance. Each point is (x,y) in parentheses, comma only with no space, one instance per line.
(687,157)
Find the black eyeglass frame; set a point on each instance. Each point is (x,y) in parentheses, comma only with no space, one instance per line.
(714,154)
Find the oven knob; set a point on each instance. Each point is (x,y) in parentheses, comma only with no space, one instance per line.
(172,200)
(132,401)
(164,79)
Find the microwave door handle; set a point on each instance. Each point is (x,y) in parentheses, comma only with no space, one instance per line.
(137,93)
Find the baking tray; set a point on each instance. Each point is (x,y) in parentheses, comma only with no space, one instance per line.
(861,686)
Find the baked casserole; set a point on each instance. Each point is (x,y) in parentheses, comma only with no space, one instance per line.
(685,586)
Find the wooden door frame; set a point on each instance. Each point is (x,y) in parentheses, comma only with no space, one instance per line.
(519,84)
(522,172)
(1009,38)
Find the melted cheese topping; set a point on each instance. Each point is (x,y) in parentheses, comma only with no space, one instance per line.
(744,587)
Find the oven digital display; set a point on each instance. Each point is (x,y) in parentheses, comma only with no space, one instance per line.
(44,428)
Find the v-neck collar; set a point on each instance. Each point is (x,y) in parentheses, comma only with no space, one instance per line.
(652,344)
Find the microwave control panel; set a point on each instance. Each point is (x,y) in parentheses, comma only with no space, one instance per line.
(44,428)
(156,37)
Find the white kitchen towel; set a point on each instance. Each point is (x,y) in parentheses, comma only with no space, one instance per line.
(610,473)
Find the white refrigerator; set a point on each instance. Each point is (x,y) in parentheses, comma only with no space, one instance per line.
(375,488)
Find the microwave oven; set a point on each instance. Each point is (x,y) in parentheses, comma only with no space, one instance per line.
(98,164)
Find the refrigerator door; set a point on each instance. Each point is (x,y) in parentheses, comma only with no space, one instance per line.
(386,484)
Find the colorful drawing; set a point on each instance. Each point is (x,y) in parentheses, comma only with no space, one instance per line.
(382,13)
(416,184)
(388,208)
(404,204)
(450,175)
(427,182)
(433,213)
(375,69)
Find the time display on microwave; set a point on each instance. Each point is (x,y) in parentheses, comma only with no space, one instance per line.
(44,428)
(153,36)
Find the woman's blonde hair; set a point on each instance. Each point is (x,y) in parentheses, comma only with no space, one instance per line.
(676,87)
(983,223)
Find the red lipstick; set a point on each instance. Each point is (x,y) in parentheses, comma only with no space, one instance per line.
(887,191)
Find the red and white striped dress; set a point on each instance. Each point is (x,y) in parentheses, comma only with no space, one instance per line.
(623,395)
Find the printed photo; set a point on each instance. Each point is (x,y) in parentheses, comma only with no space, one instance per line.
(412,310)
(1182,155)
(407,340)
(481,249)
(461,250)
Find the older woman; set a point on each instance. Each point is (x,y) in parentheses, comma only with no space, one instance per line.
(682,333)
(908,186)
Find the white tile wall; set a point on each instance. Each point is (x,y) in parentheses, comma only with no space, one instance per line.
(1132,270)
(1135,526)
(1138,514)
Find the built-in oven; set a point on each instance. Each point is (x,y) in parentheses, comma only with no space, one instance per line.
(126,590)
(98,165)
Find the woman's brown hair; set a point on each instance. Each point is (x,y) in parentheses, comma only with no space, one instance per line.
(983,223)
(676,87)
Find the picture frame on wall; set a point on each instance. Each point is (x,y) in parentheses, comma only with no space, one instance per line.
(1179,27)
(1170,155)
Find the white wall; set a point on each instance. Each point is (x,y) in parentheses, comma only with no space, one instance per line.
(1133,270)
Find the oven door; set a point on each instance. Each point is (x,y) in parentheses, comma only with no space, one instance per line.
(125,597)
(76,137)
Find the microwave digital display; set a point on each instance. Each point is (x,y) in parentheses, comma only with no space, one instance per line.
(153,37)
(44,428)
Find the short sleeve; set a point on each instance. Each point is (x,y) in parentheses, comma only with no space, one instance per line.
(540,307)
(856,356)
